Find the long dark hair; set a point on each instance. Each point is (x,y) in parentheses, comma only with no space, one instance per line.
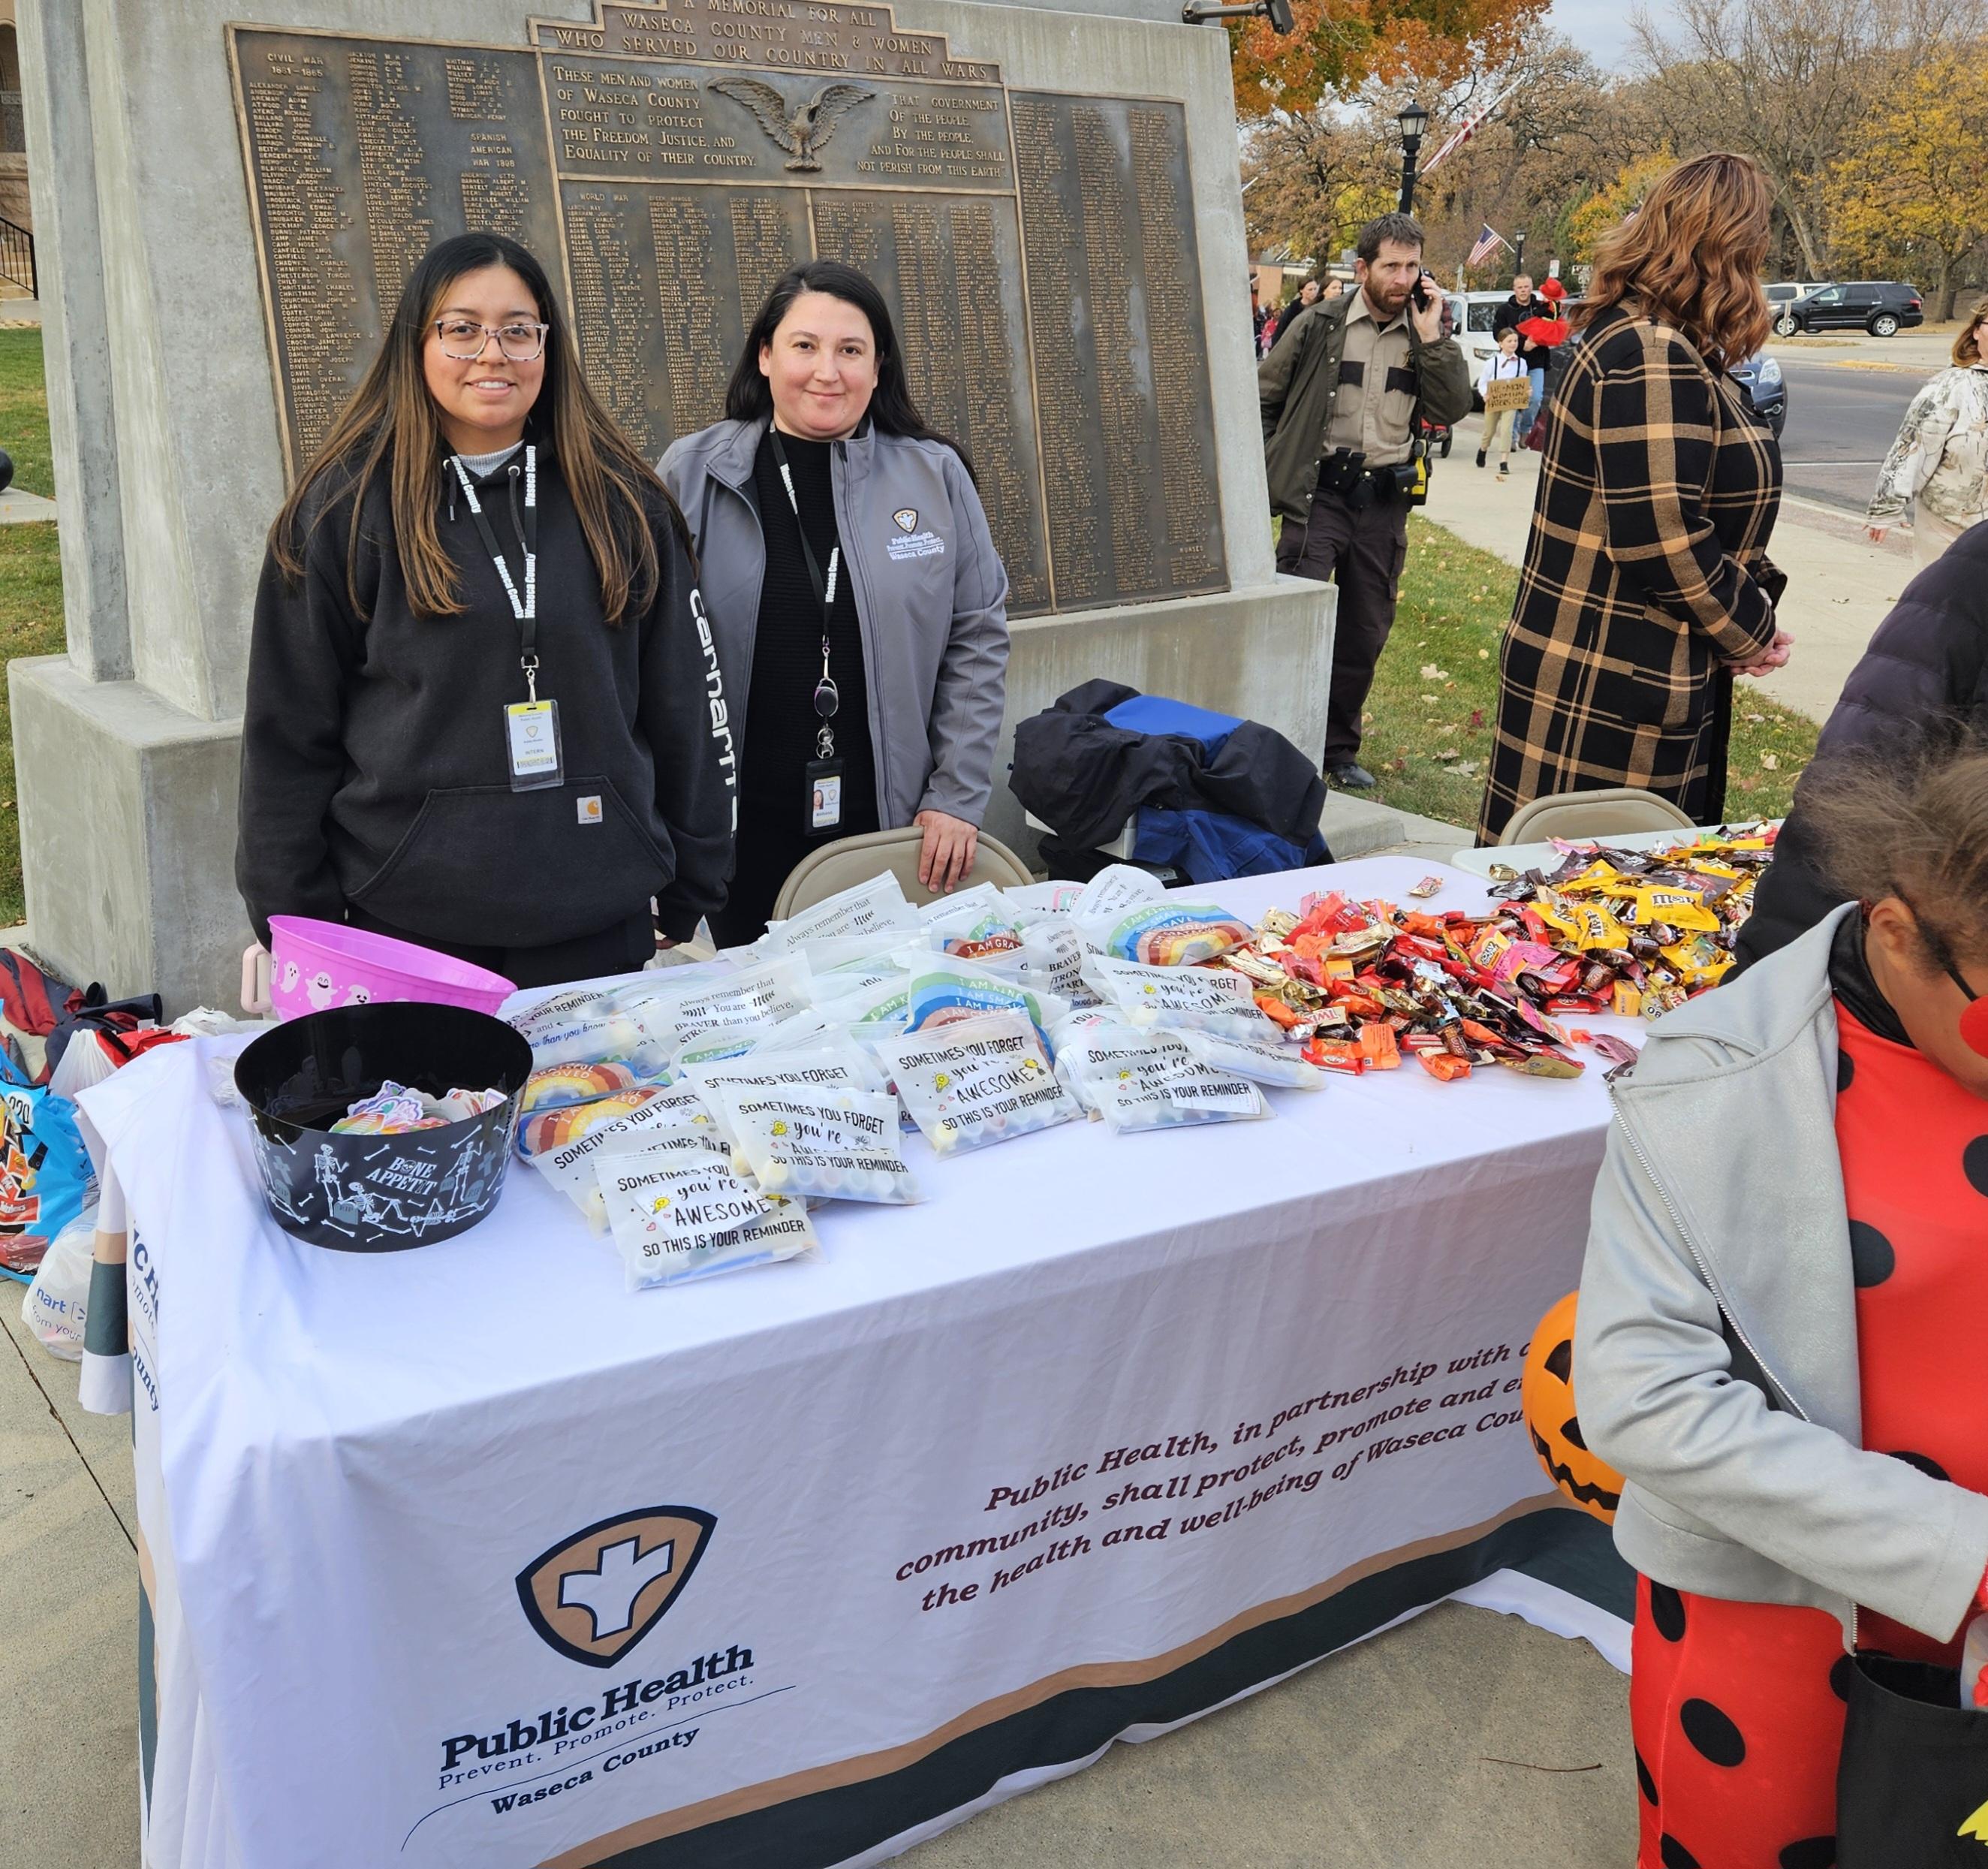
(390,425)
(749,397)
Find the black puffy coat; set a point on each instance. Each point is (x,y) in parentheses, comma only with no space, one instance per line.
(1928,663)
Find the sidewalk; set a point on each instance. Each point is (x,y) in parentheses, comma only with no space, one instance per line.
(1841,586)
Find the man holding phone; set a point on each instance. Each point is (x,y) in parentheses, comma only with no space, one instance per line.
(1340,402)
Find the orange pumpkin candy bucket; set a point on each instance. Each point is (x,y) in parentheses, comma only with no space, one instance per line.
(1546,1405)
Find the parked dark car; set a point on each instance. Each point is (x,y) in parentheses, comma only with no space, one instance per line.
(1882,307)
(1766,389)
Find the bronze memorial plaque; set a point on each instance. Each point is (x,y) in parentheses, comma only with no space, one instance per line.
(668,163)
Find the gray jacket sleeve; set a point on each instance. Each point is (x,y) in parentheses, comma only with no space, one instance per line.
(965,726)
(1659,1401)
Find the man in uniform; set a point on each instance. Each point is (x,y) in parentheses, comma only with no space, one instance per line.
(1339,403)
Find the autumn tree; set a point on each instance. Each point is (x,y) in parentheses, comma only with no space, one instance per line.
(1789,83)
(1340,46)
(1916,192)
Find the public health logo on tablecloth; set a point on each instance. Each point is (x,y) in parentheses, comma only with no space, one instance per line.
(595,1595)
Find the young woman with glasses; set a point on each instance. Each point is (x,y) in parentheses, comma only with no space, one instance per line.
(484,711)
(1778,1336)
(1939,464)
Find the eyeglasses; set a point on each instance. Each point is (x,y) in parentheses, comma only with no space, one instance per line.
(465,340)
(1974,1020)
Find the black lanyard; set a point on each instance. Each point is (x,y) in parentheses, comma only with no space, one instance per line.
(827,696)
(525,609)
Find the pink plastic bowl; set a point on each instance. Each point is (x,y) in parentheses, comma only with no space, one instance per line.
(314,965)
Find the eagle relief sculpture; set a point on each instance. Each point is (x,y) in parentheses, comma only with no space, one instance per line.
(802,128)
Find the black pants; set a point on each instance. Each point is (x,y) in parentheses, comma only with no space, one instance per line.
(1362,552)
(624,948)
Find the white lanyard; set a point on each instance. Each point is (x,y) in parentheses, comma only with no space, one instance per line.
(526,610)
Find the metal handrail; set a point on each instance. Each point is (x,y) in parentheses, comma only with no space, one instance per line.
(17,258)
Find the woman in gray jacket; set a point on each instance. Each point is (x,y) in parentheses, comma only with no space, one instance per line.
(1779,1337)
(858,604)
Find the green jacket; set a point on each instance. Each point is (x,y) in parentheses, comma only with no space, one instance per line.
(1298,382)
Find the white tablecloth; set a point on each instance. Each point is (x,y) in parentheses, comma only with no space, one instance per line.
(1108,1430)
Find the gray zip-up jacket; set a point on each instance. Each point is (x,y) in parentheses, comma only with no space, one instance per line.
(931,594)
(1714,1359)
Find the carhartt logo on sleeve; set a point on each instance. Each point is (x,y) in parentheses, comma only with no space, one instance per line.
(594,1596)
(590,810)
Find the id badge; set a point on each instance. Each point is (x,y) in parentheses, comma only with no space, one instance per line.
(532,737)
(824,796)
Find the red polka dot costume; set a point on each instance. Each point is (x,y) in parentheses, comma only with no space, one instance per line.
(1737,1708)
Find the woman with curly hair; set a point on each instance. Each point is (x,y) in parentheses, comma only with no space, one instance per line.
(1647,585)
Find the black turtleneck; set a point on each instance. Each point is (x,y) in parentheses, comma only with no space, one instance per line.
(780,721)
(1850,977)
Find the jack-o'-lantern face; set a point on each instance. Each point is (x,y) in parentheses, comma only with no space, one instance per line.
(1545,1403)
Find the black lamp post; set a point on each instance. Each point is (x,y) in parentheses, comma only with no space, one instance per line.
(1414,120)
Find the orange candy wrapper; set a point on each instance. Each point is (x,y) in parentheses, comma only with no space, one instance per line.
(1378,1046)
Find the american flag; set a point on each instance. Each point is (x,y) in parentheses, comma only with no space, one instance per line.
(1488,243)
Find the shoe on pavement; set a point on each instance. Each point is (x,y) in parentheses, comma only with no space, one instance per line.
(1350,775)
(1480,457)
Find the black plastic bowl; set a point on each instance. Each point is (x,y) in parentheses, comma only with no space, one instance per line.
(380,1194)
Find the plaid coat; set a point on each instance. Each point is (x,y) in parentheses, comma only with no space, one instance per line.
(1646,571)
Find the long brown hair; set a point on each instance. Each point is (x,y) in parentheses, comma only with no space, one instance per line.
(391,425)
(1690,257)
(1967,346)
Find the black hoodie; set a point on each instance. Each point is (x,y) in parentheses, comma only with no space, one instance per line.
(375,763)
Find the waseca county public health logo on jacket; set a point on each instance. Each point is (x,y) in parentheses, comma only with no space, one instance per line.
(592,1597)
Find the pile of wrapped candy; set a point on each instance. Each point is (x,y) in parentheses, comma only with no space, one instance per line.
(397,1109)
(1629,931)
(1360,984)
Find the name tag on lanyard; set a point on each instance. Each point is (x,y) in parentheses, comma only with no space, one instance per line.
(531,726)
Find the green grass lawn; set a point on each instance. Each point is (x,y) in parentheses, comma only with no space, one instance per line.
(1428,736)
(31,601)
(24,412)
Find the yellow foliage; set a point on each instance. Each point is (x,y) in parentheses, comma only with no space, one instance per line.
(1601,213)
(1918,181)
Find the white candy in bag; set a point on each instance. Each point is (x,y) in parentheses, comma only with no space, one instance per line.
(568,1164)
(1050,959)
(841,1145)
(1215,1000)
(1264,1060)
(1173,1086)
(1091,1043)
(944,988)
(1117,886)
(761,995)
(838,1065)
(868,908)
(678,1215)
(977,1082)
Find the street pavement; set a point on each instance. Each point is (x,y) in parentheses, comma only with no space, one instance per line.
(1842,418)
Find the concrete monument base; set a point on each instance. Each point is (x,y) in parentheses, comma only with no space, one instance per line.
(127,836)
